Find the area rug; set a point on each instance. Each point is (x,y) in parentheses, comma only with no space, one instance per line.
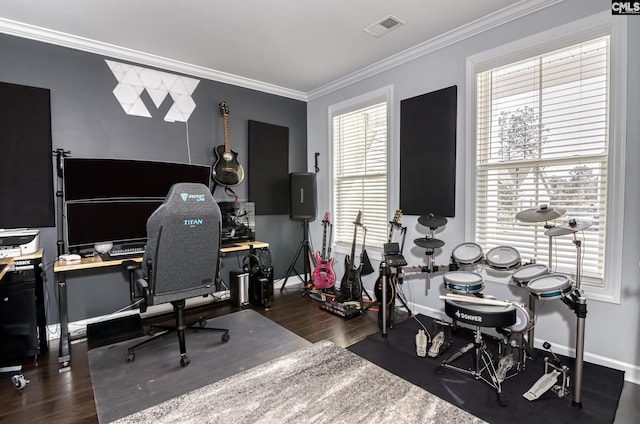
(322,383)
(396,353)
(122,388)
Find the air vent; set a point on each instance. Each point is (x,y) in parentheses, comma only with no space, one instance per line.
(384,26)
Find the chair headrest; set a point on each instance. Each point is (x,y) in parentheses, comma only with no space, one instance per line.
(188,192)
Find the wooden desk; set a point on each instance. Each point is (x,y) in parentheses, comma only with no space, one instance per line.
(5,264)
(60,269)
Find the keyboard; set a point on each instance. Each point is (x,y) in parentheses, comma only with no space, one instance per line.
(130,252)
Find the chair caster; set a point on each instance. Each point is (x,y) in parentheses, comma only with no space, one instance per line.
(19,381)
(184,361)
(131,356)
(202,322)
(225,337)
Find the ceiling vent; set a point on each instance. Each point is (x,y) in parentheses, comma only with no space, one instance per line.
(384,26)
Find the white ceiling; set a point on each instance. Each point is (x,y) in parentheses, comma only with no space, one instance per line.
(291,46)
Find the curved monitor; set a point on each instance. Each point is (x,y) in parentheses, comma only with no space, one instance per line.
(109,200)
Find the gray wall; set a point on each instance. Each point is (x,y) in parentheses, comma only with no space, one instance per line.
(87,120)
(612,336)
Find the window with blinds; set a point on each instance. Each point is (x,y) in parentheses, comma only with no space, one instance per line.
(543,138)
(360,173)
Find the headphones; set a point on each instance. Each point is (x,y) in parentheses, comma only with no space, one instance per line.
(256,268)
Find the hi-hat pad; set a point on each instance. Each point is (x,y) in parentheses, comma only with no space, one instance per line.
(432,221)
(429,243)
(568,228)
(542,213)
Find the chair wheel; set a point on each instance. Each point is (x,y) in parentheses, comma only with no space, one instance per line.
(184,361)
(225,337)
(152,332)
(203,322)
(131,356)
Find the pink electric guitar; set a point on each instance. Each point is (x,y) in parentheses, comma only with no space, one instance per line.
(323,276)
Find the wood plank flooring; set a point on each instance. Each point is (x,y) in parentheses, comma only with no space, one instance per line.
(54,396)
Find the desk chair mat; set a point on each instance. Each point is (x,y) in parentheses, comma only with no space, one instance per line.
(122,388)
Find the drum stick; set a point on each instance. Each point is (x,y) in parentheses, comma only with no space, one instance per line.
(477,300)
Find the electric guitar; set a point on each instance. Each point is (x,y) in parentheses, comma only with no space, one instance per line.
(351,284)
(323,276)
(391,287)
(227,171)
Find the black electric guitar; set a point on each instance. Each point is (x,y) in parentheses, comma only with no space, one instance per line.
(351,284)
(391,286)
(227,171)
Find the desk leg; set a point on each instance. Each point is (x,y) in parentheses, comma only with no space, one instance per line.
(64,352)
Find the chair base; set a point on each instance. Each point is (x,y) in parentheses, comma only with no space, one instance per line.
(180,327)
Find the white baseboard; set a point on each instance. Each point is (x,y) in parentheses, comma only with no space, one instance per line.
(78,329)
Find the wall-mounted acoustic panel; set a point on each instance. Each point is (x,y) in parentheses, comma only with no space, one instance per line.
(428,153)
(26,163)
(268,168)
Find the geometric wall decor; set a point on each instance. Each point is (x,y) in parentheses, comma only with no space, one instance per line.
(133,80)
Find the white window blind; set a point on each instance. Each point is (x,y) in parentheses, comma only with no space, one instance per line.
(360,173)
(543,138)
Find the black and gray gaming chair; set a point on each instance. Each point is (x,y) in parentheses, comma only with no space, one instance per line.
(181,259)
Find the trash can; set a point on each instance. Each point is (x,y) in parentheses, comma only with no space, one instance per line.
(239,288)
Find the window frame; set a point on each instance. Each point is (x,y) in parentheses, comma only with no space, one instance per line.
(384,94)
(556,38)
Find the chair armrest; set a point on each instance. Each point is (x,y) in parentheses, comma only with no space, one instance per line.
(143,286)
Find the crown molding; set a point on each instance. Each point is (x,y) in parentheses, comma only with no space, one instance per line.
(503,16)
(32,32)
(510,13)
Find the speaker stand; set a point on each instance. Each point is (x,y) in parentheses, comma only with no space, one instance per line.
(305,249)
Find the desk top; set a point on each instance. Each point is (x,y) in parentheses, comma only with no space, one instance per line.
(5,263)
(98,262)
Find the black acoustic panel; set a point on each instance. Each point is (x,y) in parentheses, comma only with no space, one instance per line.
(26,164)
(268,167)
(428,153)
(302,196)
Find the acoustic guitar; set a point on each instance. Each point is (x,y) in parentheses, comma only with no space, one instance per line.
(227,171)
(351,283)
(323,276)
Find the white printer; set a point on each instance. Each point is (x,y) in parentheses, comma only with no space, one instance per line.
(18,242)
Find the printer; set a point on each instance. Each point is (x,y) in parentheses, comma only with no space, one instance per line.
(18,242)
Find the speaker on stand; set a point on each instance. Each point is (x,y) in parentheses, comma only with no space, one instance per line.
(302,207)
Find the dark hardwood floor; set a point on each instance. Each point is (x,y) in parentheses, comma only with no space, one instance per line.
(66,396)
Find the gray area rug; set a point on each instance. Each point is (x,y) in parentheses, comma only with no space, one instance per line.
(122,388)
(322,383)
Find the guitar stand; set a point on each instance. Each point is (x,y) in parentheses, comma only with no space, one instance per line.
(483,363)
(305,249)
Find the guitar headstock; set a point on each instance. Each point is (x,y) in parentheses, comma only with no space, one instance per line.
(397,216)
(325,220)
(358,220)
(224,109)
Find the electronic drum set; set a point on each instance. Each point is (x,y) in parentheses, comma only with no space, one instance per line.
(466,303)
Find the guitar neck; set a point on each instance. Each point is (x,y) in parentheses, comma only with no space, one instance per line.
(227,145)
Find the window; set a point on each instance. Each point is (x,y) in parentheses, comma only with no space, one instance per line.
(543,136)
(360,155)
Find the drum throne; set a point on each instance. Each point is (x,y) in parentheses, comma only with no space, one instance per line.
(479,315)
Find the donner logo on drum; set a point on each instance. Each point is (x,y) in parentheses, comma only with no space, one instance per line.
(462,315)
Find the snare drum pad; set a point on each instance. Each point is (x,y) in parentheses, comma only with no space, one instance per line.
(463,282)
(467,253)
